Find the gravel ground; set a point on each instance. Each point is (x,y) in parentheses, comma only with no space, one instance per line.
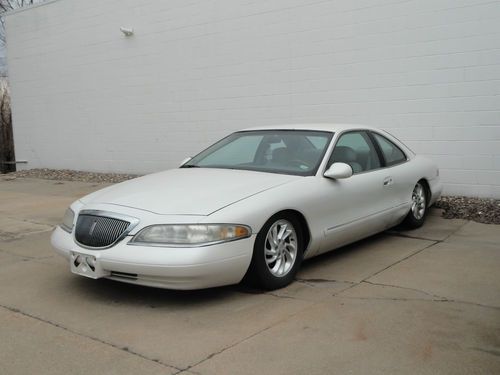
(70,175)
(485,211)
(481,210)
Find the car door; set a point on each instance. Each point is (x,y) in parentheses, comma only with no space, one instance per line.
(358,206)
(401,176)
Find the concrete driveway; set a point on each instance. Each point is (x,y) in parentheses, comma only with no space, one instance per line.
(421,302)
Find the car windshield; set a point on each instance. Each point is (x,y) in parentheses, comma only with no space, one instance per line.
(297,152)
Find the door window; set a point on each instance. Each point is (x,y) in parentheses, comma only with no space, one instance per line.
(357,150)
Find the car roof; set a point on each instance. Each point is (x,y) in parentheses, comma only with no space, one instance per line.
(335,128)
(313,126)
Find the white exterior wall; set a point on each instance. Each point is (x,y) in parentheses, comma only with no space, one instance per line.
(86,97)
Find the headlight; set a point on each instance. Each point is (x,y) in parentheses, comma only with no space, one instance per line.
(190,234)
(68,219)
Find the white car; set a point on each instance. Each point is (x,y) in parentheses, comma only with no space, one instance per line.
(253,206)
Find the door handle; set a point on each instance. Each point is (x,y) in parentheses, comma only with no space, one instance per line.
(387,181)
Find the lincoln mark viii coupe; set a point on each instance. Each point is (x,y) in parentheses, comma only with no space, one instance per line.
(252,206)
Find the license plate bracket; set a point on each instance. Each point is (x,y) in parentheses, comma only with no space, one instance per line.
(86,265)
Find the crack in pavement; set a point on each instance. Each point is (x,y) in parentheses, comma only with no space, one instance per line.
(406,288)
(494,352)
(178,370)
(311,281)
(404,235)
(281,296)
(121,348)
(403,299)
(399,261)
(190,372)
(435,298)
(395,233)
(218,352)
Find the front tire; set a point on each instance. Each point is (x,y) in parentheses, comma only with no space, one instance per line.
(277,253)
(418,211)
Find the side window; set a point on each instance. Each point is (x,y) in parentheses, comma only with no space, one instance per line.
(392,153)
(357,150)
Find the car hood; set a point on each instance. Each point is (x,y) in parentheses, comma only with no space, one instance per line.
(188,191)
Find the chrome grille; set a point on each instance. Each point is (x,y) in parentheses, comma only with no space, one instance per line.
(99,231)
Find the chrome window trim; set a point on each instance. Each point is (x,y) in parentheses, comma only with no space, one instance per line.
(112,215)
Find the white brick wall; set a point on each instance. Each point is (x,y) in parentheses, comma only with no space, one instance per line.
(85,97)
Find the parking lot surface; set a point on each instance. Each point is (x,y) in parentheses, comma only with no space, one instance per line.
(419,302)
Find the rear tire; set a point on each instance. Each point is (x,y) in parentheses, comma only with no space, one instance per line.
(418,211)
(277,253)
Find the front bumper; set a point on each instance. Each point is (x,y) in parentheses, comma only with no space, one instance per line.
(166,267)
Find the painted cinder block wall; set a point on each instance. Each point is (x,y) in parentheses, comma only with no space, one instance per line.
(86,97)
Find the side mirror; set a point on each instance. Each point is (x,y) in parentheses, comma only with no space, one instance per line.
(338,171)
(185,161)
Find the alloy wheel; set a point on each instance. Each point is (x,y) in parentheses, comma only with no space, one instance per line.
(280,248)
(418,201)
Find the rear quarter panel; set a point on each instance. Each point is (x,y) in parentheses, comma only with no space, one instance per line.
(406,176)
